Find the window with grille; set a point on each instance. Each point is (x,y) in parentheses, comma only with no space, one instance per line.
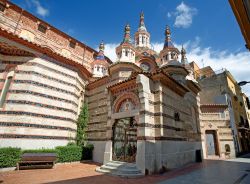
(2,7)
(42,28)
(72,44)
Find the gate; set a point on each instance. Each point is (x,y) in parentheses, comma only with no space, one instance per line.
(124,140)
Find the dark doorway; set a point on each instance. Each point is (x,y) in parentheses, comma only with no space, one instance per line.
(124,140)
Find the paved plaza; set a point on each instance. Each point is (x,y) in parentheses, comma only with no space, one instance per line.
(235,171)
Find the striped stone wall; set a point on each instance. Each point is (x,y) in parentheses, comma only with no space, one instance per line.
(98,113)
(41,104)
(98,117)
(162,139)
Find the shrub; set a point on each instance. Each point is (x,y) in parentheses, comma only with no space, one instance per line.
(40,151)
(69,153)
(87,152)
(71,144)
(9,157)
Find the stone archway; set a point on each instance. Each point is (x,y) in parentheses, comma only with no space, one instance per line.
(125,111)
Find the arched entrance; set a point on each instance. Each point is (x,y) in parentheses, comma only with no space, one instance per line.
(124,140)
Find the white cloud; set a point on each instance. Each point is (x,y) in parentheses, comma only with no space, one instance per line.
(40,10)
(157,46)
(238,63)
(183,15)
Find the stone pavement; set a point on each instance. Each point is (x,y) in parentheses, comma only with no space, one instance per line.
(208,172)
(234,171)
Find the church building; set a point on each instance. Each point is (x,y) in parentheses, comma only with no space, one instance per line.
(143,108)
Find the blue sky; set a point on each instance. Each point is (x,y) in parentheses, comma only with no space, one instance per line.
(207,28)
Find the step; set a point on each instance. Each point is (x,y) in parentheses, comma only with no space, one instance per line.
(120,174)
(129,165)
(121,169)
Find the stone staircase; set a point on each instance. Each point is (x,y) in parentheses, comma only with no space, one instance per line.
(122,169)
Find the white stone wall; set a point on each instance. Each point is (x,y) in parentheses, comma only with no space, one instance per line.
(98,152)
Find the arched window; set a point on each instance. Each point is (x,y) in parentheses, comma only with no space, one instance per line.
(126,53)
(6,88)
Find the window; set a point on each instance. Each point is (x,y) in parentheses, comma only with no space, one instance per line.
(176,116)
(227,148)
(126,53)
(248,103)
(2,7)
(235,98)
(241,123)
(42,28)
(6,88)
(72,44)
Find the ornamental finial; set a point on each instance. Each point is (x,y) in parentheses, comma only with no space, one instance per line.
(101,46)
(167,32)
(183,56)
(126,38)
(142,24)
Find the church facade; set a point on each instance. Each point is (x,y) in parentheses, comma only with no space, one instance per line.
(143,108)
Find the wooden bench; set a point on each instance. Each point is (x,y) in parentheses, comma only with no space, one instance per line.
(37,160)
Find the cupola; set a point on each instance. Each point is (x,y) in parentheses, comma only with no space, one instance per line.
(125,51)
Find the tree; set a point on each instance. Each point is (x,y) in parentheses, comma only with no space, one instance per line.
(82,124)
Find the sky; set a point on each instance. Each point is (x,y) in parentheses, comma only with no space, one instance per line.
(207,29)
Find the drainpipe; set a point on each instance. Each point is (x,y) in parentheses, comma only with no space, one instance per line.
(18,21)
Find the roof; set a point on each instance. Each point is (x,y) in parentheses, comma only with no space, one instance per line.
(241,11)
(44,50)
(213,108)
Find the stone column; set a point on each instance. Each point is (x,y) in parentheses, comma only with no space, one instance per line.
(144,91)
(160,131)
(110,122)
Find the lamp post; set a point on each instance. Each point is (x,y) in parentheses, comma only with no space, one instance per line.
(242,83)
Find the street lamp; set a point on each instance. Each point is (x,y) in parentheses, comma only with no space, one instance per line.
(242,83)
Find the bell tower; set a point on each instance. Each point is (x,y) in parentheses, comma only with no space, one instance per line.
(100,65)
(142,37)
(125,51)
(169,51)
